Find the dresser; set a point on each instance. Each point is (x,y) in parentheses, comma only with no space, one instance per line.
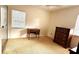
(61,36)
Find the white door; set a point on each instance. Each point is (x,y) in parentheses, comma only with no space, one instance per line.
(4,22)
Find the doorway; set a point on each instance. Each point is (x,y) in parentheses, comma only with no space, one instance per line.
(4,26)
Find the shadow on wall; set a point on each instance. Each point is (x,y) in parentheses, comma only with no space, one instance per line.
(22,32)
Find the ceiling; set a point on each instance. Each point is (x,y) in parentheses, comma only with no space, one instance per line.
(48,7)
(54,7)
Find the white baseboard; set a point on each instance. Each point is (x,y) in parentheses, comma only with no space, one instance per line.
(24,37)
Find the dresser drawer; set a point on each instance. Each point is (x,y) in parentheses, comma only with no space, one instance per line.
(61,36)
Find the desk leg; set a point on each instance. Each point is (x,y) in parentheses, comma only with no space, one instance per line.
(38,36)
(28,36)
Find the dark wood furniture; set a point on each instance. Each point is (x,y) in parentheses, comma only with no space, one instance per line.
(74,50)
(61,36)
(33,31)
(77,49)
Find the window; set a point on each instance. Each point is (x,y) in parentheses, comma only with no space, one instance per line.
(18,19)
(76,30)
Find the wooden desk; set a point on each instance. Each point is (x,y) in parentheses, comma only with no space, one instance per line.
(33,31)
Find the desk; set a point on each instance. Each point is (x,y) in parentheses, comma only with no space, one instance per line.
(33,31)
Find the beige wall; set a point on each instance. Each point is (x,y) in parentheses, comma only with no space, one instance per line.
(35,17)
(63,18)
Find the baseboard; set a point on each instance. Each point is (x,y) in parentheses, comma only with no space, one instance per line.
(27,37)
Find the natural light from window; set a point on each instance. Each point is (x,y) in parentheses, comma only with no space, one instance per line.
(76,30)
(18,19)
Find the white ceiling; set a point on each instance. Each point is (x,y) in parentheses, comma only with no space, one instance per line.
(53,7)
(48,7)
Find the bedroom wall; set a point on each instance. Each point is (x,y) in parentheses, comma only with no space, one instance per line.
(64,18)
(35,17)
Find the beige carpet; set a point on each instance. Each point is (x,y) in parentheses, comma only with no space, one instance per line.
(43,45)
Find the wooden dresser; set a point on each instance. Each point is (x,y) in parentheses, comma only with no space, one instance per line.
(61,36)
